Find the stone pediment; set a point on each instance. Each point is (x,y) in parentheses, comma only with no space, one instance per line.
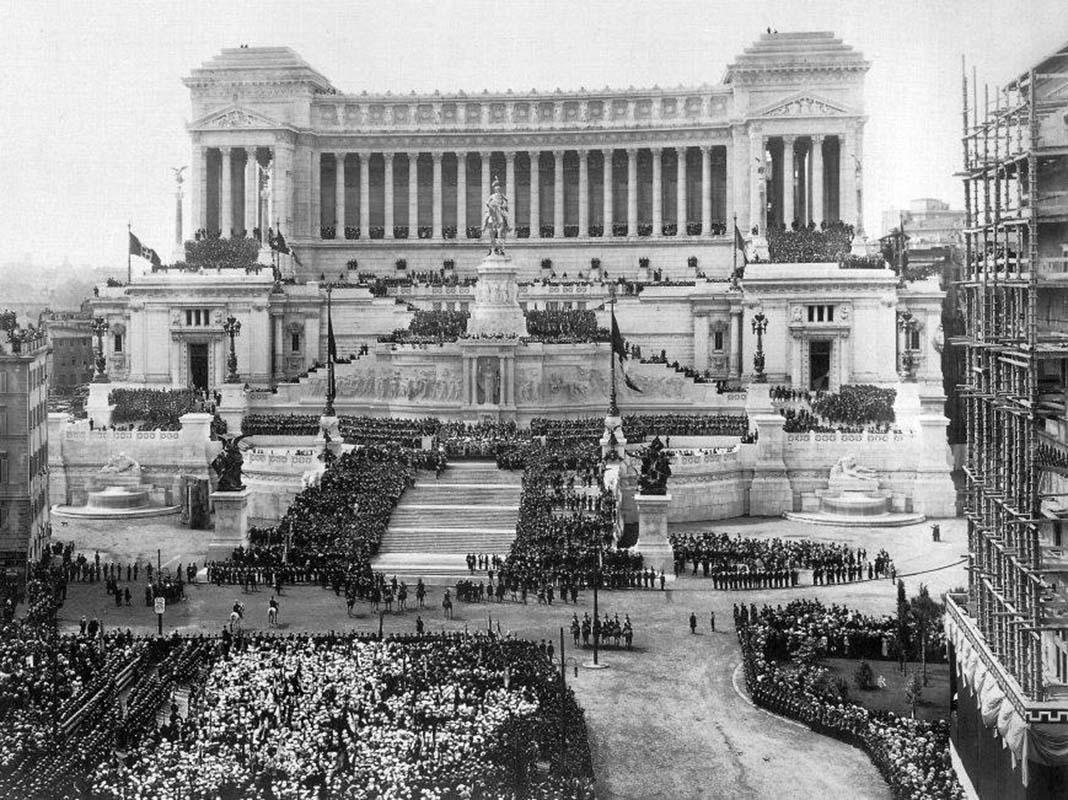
(804,104)
(236,117)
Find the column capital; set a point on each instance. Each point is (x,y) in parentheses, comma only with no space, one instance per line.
(226,150)
(817,138)
(509,155)
(251,151)
(656,150)
(388,157)
(340,155)
(485,154)
(461,155)
(789,138)
(558,154)
(437,156)
(632,152)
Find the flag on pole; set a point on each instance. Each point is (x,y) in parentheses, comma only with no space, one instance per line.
(619,350)
(279,244)
(138,249)
(331,342)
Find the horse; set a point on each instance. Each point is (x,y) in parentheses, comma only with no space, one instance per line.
(272,616)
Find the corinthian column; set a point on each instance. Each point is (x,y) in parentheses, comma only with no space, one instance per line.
(584,194)
(756,181)
(535,194)
(413,195)
(484,157)
(461,195)
(632,192)
(788,186)
(250,192)
(658,192)
(817,180)
(387,194)
(339,195)
(558,194)
(226,197)
(365,194)
(606,213)
(680,191)
(435,231)
(706,190)
(509,179)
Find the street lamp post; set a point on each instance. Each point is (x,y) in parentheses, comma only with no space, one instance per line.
(760,325)
(100,328)
(232,327)
(908,325)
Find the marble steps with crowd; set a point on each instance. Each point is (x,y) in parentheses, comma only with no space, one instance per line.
(472,508)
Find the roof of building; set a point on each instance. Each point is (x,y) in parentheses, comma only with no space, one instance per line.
(796,51)
(253,64)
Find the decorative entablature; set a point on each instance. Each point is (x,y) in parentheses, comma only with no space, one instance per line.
(803,105)
(655,108)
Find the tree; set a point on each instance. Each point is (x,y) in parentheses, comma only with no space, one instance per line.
(914,691)
(902,624)
(926,612)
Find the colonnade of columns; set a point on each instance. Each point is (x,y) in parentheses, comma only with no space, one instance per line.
(232,190)
(553,194)
(807,180)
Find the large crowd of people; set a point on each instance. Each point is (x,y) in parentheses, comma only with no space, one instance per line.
(737,562)
(156,409)
(565,326)
(807,243)
(853,409)
(781,648)
(639,427)
(444,716)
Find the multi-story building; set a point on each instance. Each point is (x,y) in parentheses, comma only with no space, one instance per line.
(929,222)
(24,504)
(71,354)
(1009,634)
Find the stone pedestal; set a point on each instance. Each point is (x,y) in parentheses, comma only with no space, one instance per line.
(231,523)
(613,442)
(770,494)
(496,310)
(233,406)
(97,406)
(653,531)
(917,410)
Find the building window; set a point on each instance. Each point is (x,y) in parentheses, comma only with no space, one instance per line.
(718,340)
(821,313)
(118,342)
(914,340)
(294,342)
(3,420)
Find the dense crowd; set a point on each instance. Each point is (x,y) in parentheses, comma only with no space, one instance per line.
(737,562)
(386,430)
(565,326)
(156,409)
(804,244)
(477,439)
(639,427)
(445,716)
(280,425)
(780,654)
(852,409)
(433,326)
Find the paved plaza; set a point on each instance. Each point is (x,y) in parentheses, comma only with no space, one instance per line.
(668,719)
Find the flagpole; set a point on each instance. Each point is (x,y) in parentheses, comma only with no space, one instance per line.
(330,392)
(613,409)
(129,269)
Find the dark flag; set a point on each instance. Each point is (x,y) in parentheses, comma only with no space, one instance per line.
(619,350)
(331,342)
(138,249)
(279,244)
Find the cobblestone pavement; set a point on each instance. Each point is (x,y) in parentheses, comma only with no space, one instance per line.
(667,719)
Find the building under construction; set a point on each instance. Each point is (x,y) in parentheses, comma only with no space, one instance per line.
(1009,635)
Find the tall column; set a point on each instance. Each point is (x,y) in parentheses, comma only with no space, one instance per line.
(606,214)
(249,190)
(226,198)
(339,196)
(817,180)
(535,194)
(584,193)
(484,157)
(320,163)
(387,194)
(413,195)
(658,191)
(632,191)
(558,194)
(756,181)
(847,179)
(706,190)
(788,185)
(680,191)
(461,195)
(509,178)
(283,188)
(198,175)
(435,190)
(858,179)
(365,194)
(734,358)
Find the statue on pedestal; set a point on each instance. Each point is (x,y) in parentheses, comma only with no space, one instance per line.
(656,469)
(120,465)
(228,463)
(497,220)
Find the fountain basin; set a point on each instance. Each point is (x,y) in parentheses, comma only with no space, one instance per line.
(859,504)
(118,498)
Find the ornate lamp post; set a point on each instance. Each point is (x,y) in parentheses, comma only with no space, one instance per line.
(100,328)
(760,324)
(908,325)
(232,327)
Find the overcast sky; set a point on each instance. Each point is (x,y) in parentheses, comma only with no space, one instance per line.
(93,108)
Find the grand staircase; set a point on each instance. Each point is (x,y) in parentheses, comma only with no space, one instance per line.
(471,508)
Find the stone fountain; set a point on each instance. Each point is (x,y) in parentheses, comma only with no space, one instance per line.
(852,497)
(119,491)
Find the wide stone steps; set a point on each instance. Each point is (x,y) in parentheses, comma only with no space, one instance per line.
(471,508)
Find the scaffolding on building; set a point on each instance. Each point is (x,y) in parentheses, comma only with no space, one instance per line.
(1012,597)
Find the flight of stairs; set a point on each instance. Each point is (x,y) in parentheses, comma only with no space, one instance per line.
(471,508)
